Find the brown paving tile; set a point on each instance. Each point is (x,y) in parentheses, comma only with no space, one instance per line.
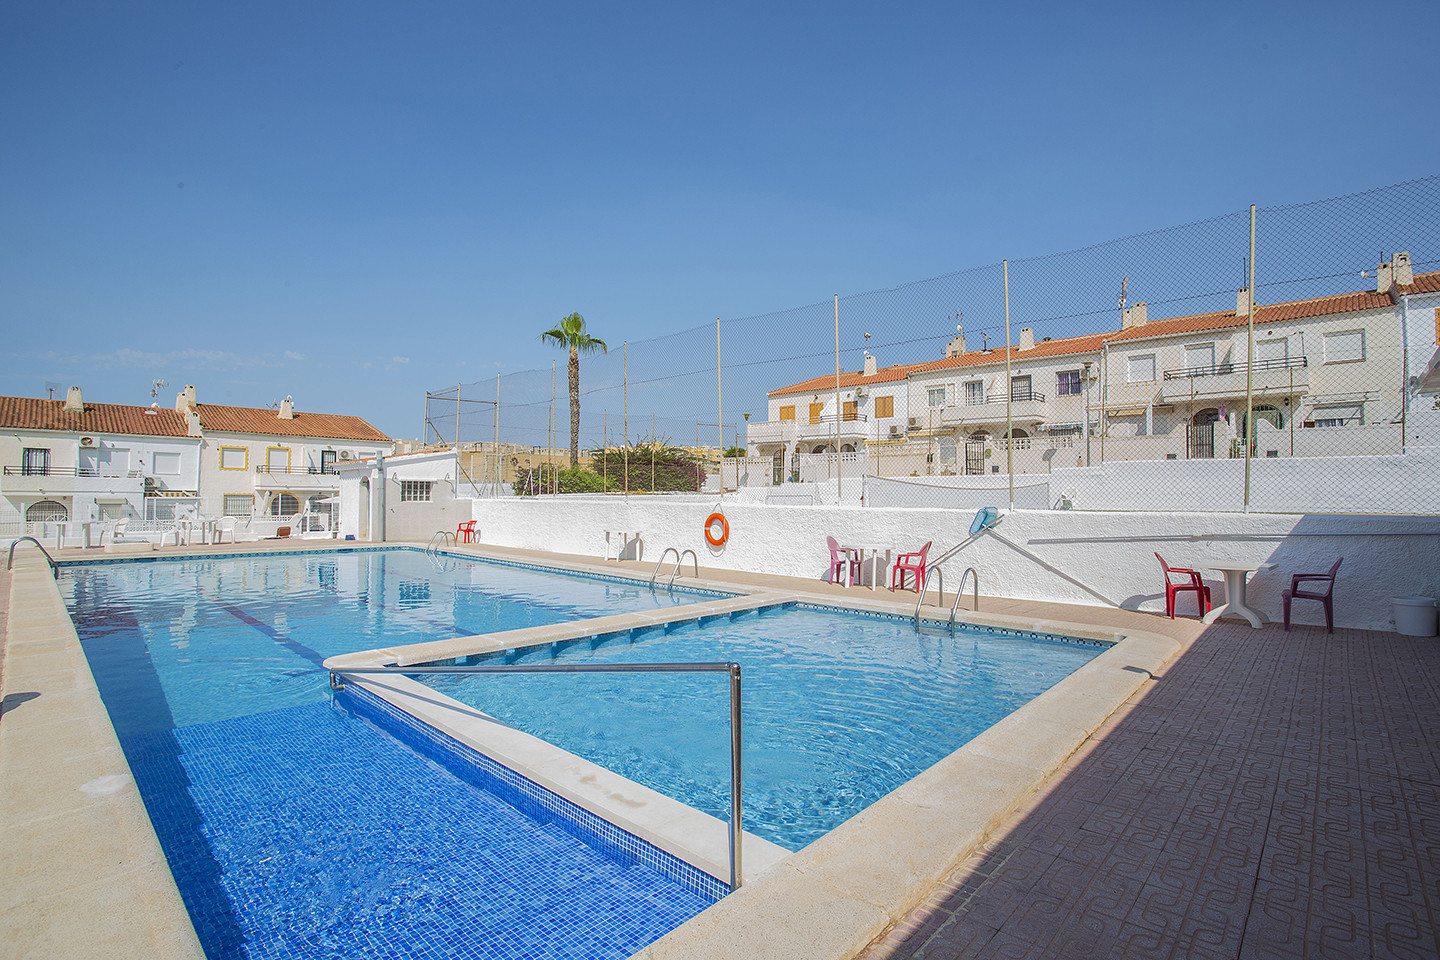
(1269,795)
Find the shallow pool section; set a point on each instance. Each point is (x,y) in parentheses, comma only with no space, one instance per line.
(839,708)
(301,824)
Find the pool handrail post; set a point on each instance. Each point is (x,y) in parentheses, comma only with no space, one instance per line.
(733,669)
(10,563)
(737,832)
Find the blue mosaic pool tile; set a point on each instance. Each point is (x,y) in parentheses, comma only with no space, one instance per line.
(527,796)
(306,833)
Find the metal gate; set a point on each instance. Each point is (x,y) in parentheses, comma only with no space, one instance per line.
(974,457)
(1202,441)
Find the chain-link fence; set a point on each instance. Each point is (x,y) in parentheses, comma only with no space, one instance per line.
(1135,378)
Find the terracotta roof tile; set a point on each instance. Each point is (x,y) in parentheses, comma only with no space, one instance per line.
(1090,343)
(26,413)
(268,422)
(1424,283)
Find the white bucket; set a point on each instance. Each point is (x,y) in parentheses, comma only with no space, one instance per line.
(1414,616)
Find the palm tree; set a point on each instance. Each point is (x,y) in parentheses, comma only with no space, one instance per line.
(571,334)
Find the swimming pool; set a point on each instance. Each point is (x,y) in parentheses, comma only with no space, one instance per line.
(296,827)
(839,708)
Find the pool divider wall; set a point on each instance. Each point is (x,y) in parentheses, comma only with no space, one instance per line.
(831,899)
(684,833)
(84,872)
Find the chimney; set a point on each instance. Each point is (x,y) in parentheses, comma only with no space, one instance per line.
(287,409)
(185,399)
(1242,302)
(956,346)
(869,364)
(1394,273)
(1134,316)
(73,403)
(1027,338)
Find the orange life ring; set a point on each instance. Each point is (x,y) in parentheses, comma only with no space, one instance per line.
(710,521)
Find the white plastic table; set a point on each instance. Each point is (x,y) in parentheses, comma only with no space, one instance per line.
(1234,604)
(875,552)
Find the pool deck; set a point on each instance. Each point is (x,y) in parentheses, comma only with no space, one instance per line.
(1257,794)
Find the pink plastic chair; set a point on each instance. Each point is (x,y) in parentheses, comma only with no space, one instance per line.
(839,558)
(1191,584)
(1324,596)
(910,563)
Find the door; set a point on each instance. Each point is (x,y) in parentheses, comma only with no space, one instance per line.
(974,457)
(327,461)
(1202,440)
(1271,354)
(1020,388)
(36,462)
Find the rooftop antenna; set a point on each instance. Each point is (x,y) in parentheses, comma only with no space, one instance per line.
(155,387)
(1124,287)
(50,387)
(984,341)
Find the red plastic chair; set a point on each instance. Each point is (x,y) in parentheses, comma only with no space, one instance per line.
(1324,596)
(839,558)
(910,563)
(1194,585)
(465,532)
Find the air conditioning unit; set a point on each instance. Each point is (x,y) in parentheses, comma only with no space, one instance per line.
(87,441)
(859,391)
(344,454)
(914,423)
(895,430)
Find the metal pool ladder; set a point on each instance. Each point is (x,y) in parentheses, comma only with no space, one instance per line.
(733,669)
(10,562)
(973,576)
(442,538)
(679,562)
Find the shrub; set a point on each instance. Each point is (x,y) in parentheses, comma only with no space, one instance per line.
(541,479)
(651,467)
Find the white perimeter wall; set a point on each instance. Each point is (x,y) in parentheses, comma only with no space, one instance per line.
(1088,553)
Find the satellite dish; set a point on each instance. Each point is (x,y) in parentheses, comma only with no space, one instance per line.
(986,517)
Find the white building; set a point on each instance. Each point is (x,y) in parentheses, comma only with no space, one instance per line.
(271,464)
(69,460)
(411,496)
(1331,376)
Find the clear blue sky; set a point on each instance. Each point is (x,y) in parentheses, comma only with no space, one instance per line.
(353,202)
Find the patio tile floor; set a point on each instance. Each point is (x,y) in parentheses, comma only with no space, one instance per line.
(1271,795)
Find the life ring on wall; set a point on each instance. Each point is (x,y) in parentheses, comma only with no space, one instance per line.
(710,537)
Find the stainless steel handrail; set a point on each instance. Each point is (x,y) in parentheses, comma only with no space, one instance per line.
(10,563)
(974,576)
(733,669)
(679,563)
(444,536)
(663,555)
(925,588)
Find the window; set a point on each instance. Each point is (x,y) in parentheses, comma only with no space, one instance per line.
(1067,383)
(327,461)
(46,510)
(849,410)
(238,504)
(787,413)
(815,410)
(1141,369)
(277,459)
(1338,415)
(414,490)
(1272,352)
(1200,357)
(936,396)
(1020,388)
(234,458)
(112,509)
(974,392)
(166,464)
(284,505)
(35,462)
(1345,346)
(884,407)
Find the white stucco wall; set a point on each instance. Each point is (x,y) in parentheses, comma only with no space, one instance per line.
(1111,554)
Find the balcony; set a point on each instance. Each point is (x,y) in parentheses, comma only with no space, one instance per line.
(65,481)
(1287,376)
(770,431)
(306,478)
(1025,407)
(851,427)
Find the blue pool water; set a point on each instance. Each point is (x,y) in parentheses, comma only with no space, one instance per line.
(839,709)
(297,828)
